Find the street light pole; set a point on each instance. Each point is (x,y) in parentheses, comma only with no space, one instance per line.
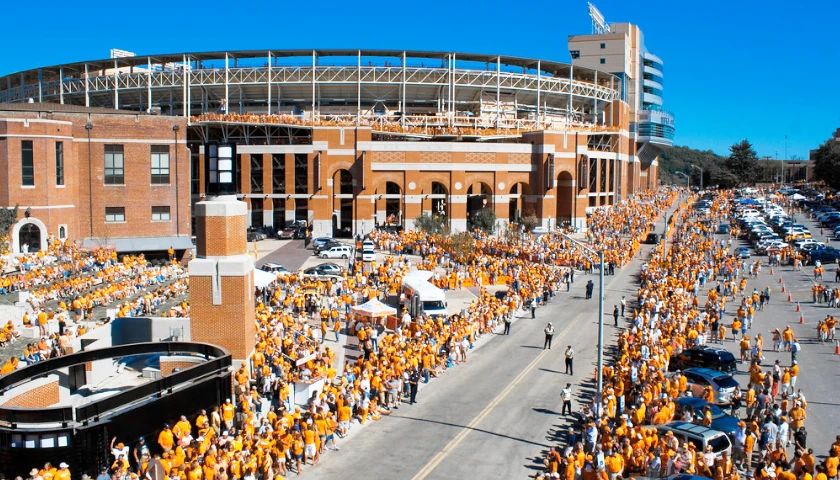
(89,127)
(687,179)
(600,255)
(175,129)
(701,174)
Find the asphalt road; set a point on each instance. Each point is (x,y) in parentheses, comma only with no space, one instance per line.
(496,415)
(819,375)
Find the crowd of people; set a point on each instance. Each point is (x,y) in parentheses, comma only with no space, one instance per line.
(683,298)
(261,433)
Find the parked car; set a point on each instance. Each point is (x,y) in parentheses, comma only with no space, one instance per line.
(723,228)
(320,242)
(722,383)
(368,255)
(698,435)
(743,252)
(330,268)
(826,254)
(274,268)
(330,244)
(652,238)
(720,421)
(286,233)
(706,357)
(253,237)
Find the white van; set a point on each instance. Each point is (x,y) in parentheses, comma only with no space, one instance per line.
(339,251)
(750,212)
(422,297)
(699,435)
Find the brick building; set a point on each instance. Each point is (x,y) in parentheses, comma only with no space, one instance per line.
(53,156)
(348,139)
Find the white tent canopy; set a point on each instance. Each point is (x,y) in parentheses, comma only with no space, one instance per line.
(374,309)
(263,279)
(797,196)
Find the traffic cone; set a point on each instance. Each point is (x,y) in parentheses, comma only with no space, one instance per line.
(783,288)
(837,348)
(801,318)
(780,279)
(771,271)
(798,308)
(790,299)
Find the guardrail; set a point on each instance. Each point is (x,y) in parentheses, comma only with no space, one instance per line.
(94,411)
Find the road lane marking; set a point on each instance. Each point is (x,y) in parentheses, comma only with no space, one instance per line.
(453,444)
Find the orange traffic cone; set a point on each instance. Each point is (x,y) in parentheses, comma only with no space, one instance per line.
(790,299)
(771,271)
(780,279)
(801,318)
(783,288)
(798,308)
(837,348)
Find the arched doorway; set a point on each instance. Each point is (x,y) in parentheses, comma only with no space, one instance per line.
(29,232)
(393,204)
(342,204)
(29,238)
(520,194)
(479,196)
(440,205)
(565,198)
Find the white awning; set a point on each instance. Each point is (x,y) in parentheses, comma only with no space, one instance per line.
(263,279)
(140,244)
(374,309)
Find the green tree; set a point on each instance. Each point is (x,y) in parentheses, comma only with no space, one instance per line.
(827,163)
(8,217)
(461,245)
(530,222)
(484,219)
(432,224)
(742,162)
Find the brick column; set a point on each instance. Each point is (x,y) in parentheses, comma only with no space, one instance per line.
(222,279)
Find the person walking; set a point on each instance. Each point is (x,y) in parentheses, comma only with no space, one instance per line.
(794,349)
(623,304)
(549,334)
(566,396)
(615,314)
(508,321)
(590,287)
(533,308)
(570,360)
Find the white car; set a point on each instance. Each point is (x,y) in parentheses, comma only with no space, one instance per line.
(368,255)
(342,251)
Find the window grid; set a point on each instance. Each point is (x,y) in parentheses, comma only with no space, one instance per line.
(114,214)
(161,214)
(160,165)
(114,165)
(59,163)
(27,164)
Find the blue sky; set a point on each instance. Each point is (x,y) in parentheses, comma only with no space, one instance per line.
(733,69)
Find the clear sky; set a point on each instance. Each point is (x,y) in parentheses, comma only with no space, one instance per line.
(733,69)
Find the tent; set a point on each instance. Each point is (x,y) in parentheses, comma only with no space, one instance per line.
(374,310)
(263,279)
(797,196)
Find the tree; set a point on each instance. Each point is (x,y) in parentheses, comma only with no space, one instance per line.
(530,222)
(742,162)
(827,163)
(461,245)
(433,224)
(8,217)
(484,219)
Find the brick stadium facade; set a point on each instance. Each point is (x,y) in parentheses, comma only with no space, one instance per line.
(346,140)
(49,167)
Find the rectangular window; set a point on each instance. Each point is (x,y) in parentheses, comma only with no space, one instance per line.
(278,175)
(27,163)
(195,169)
(114,165)
(160,214)
(604,175)
(301,173)
(603,46)
(160,165)
(603,61)
(114,214)
(59,163)
(256,173)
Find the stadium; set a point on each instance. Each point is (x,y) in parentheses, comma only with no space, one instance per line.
(346,140)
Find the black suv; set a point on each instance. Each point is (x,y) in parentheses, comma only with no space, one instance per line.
(652,238)
(706,357)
